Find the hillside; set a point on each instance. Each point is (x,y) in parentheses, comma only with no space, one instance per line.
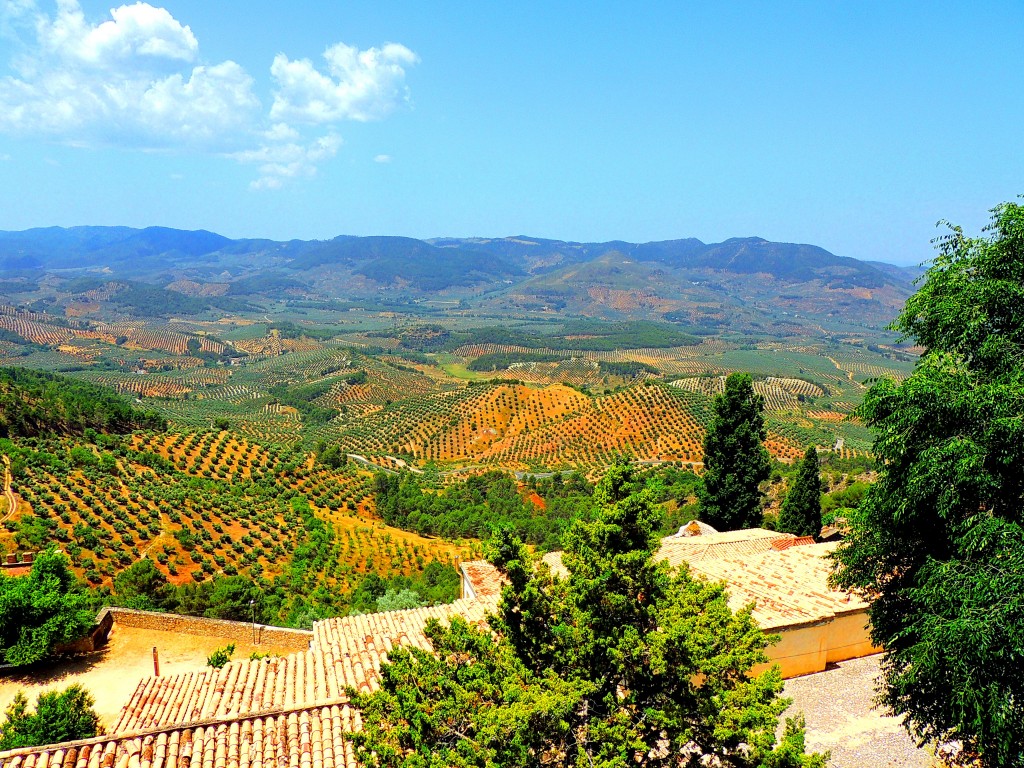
(740,284)
(209,504)
(34,403)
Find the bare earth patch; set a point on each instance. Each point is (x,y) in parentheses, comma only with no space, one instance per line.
(112,673)
(841,717)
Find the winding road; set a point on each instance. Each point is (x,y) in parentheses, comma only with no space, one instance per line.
(12,501)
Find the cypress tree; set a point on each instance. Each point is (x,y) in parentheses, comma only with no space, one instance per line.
(735,459)
(801,511)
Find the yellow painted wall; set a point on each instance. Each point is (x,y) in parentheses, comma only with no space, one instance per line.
(808,648)
(848,637)
(800,650)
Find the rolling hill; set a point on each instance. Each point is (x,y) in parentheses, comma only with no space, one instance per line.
(744,284)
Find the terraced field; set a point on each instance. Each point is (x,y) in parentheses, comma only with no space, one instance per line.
(203,503)
(295,391)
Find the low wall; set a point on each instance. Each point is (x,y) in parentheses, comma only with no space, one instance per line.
(240,631)
(96,638)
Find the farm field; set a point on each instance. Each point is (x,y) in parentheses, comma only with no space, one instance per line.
(289,414)
(201,503)
(369,395)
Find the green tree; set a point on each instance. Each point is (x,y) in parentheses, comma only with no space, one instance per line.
(41,610)
(236,598)
(59,716)
(621,663)
(399,600)
(801,510)
(735,459)
(142,586)
(938,540)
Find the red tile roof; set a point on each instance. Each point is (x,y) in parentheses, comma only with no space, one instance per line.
(292,711)
(787,587)
(345,652)
(787,543)
(483,578)
(307,738)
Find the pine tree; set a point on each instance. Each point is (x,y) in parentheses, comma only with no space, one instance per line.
(622,663)
(801,511)
(735,459)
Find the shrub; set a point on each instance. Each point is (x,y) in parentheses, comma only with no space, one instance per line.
(221,656)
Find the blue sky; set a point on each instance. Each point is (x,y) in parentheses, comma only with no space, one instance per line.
(854,126)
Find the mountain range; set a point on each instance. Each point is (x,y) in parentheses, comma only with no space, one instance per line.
(683,280)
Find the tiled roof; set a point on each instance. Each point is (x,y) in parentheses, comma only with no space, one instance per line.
(308,738)
(239,688)
(345,652)
(288,711)
(797,541)
(788,586)
(691,549)
(750,541)
(694,528)
(785,576)
(485,580)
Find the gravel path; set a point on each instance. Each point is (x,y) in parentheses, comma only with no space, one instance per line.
(839,707)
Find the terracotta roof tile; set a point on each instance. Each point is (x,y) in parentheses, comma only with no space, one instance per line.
(795,542)
(345,652)
(787,587)
(291,711)
(483,578)
(307,738)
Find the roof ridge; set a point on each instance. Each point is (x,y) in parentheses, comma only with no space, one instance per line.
(192,724)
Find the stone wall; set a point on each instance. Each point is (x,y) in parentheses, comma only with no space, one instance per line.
(96,638)
(240,631)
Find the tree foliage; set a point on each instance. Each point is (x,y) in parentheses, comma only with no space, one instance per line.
(36,403)
(471,508)
(621,663)
(41,610)
(59,716)
(938,540)
(438,583)
(735,459)
(801,509)
(220,656)
(142,586)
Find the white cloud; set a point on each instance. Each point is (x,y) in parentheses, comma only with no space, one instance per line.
(137,32)
(279,162)
(280,132)
(123,82)
(137,81)
(382,159)
(14,10)
(359,85)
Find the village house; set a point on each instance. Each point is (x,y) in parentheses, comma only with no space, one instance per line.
(292,710)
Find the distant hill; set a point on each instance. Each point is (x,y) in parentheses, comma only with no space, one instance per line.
(80,247)
(746,281)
